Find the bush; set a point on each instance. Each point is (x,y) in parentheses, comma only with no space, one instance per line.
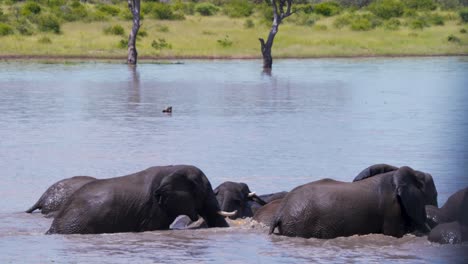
(392,24)
(342,20)
(30,8)
(114,30)
(226,42)
(361,24)
(249,23)
(387,9)
(463,31)
(164,12)
(5,29)
(304,8)
(358,22)
(161,44)
(464,15)
(76,11)
(44,40)
(238,8)
(453,38)
(48,23)
(419,23)
(3,17)
(142,33)
(327,8)
(123,43)
(206,9)
(435,19)
(303,19)
(187,8)
(24,27)
(109,9)
(421,4)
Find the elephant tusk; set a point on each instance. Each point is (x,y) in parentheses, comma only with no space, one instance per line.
(223,213)
(252,194)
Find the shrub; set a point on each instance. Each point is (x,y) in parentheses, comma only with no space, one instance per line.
(3,17)
(463,31)
(96,16)
(453,38)
(114,30)
(187,8)
(123,43)
(303,19)
(327,8)
(420,4)
(76,11)
(435,19)
(304,8)
(44,40)
(5,29)
(392,24)
(142,33)
(249,23)
(342,21)
(109,9)
(464,15)
(265,12)
(418,23)
(24,27)
(387,9)
(361,24)
(48,23)
(164,12)
(226,42)
(238,8)
(30,8)
(206,9)
(161,44)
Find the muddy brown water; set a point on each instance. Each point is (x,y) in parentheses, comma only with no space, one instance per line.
(308,120)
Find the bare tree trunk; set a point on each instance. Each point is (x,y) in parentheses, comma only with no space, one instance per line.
(278,15)
(134,6)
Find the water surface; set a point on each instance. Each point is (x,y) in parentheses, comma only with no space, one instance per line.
(309,120)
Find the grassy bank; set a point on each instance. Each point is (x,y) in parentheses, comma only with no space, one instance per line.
(303,35)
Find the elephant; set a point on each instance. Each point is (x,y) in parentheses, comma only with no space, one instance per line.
(268,198)
(143,201)
(58,193)
(451,220)
(426,179)
(237,196)
(391,203)
(374,170)
(266,213)
(449,212)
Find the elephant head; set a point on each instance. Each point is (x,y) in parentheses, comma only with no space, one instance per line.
(410,190)
(233,196)
(428,186)
(188,192)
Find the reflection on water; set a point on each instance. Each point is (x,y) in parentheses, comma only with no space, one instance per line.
(308,120)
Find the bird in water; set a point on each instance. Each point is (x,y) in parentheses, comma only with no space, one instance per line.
(168,110)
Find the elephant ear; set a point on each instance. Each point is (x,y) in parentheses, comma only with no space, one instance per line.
(409,190)
(463,218)
(374,170)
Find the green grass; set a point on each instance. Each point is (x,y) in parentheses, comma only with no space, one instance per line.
(198,36)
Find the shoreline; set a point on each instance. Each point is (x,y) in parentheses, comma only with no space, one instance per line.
(168,58)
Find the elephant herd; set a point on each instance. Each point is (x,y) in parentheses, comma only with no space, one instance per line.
(381,199)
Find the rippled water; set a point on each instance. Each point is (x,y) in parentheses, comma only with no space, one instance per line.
(310,119)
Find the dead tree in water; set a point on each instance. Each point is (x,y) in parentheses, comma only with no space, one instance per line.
(279,13)
(134,6)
